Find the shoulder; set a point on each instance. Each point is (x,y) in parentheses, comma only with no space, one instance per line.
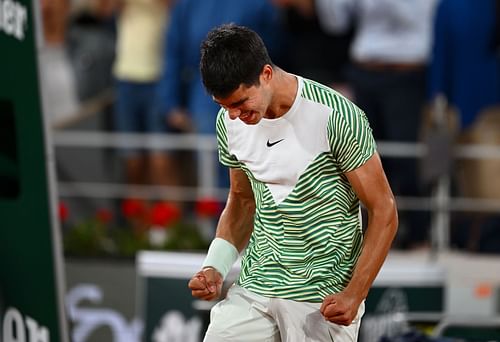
(221,119)
(320,93)
(327,96)
(221,114)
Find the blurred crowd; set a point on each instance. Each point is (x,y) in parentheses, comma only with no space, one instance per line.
(422,70)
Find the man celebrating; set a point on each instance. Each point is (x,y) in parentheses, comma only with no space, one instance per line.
(301,159)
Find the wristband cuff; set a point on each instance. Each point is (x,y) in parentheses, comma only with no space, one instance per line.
(221,256)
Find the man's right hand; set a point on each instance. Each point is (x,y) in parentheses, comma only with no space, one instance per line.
(206,284)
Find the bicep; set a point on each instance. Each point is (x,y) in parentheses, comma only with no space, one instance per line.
(239,184)
(370,184)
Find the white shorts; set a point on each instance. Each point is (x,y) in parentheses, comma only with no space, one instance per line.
(245,316)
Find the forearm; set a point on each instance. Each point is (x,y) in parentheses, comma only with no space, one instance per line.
(382,227)
(236,222)
(233,232)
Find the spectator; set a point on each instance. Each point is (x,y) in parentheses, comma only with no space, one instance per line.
(465,64)
(137,68)
(307,37)
(91,47)
(465,68)
(389,55)
(58,84)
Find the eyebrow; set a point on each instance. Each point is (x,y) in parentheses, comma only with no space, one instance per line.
(234,104)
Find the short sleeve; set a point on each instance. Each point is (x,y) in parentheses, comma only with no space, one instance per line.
(350,136)
(225,157)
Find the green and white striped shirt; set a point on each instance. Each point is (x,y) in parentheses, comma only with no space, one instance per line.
(307,232)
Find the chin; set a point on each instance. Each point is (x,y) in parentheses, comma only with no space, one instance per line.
(252,119)
(249,122)
(252,122)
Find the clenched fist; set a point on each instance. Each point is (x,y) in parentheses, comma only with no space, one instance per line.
(206,284)
(340,308)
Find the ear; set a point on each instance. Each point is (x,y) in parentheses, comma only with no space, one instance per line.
(266,74)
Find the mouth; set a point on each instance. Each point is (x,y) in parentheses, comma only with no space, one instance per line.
(246,116)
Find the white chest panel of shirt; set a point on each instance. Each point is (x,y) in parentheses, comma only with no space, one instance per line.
(278,151)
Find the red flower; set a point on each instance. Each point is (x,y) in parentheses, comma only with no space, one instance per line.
(133,207)
(208,207)
(63,212)
(104,215)
(164,213)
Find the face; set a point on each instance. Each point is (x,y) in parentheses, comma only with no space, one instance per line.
(249,104)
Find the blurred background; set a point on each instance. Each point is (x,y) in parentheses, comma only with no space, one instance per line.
(140,188)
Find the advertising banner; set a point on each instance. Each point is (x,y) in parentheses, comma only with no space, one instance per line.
(30,249)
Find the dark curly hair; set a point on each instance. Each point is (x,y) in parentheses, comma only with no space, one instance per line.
(232,55)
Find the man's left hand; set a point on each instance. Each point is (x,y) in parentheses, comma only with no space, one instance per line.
(340,308)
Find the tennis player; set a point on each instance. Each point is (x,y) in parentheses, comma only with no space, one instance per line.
(301,158)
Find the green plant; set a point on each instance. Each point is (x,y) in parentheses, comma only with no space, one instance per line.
(156,227)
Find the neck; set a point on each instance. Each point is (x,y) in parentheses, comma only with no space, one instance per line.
(284,87)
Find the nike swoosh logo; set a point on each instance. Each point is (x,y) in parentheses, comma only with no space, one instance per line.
(269,144)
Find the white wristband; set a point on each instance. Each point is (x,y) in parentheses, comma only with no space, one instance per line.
(221,256)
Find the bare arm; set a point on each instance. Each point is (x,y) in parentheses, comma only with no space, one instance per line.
(235,226)
(236,222)
(371,186)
